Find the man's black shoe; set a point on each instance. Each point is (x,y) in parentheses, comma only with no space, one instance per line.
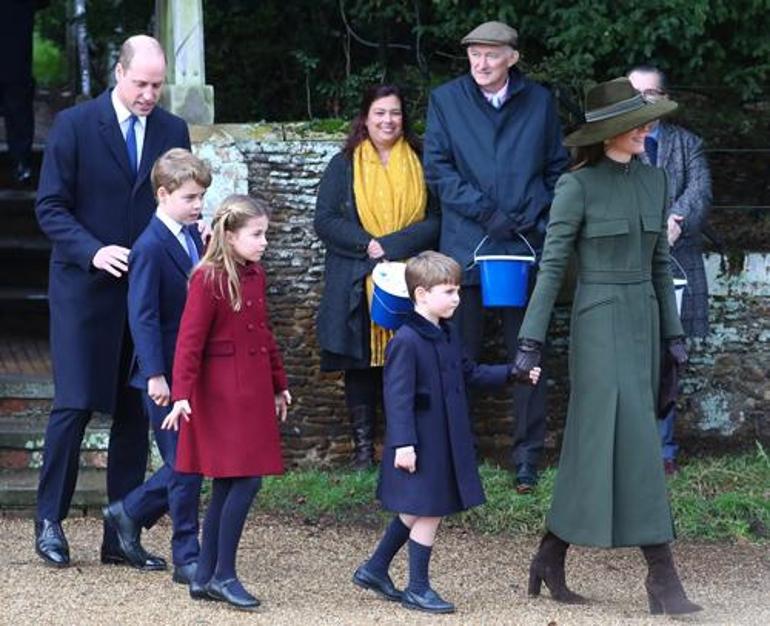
(198,592)
(428,601)
(185,574)
(231,592)
(130,551)
(51,544)
(383,585)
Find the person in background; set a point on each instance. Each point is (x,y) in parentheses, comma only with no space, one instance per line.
(493,152)
(680,153)
(372,206)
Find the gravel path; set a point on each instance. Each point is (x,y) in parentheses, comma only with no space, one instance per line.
(302,574)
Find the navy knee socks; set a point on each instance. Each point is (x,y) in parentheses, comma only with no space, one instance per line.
(231,499)
(419,559)
(395,536)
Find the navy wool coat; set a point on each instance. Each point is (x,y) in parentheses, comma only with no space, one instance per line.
(425,406)
(479,160)
(342,325)
(89,198)
(158,269)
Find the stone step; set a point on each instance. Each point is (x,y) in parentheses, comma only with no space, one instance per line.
(18,492)
(22,438)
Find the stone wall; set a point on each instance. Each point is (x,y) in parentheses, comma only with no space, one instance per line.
(726,400)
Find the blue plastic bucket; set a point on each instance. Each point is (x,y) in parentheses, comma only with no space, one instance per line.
(504,277)
(390,301)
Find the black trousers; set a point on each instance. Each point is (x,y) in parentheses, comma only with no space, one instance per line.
(127,451)
(363,387)
(528,402)
(17,106)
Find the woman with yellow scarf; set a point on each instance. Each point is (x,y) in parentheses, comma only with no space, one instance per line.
(372,206)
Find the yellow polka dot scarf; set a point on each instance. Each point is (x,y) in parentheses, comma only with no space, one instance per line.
(388,198)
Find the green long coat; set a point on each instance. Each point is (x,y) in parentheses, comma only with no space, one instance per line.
(610,489)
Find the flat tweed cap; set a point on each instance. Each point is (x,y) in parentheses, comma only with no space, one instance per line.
(492,34)
(613,108)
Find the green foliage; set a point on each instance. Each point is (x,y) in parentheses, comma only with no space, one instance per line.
(48,65)
(715,499)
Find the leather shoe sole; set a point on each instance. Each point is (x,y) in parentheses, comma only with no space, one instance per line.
(118,558)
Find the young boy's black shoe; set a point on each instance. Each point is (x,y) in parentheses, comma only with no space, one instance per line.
(428,601)
(383,585)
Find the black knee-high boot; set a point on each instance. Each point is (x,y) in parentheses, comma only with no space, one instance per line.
(548,567)
(664,589)
(362,420)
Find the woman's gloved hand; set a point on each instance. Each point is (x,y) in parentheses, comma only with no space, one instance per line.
(527,358)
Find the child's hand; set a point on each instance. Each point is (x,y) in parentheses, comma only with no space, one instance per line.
(157,389)
(204,229)
(181,407)
(282,402)
(534,375)
(406,459)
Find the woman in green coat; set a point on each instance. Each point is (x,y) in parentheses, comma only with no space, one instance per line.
(609,210)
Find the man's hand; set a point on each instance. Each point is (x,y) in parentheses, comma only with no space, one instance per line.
(112,259)
(157,389)
(674,228)
(181,407)
(406,459)
(282,402)
(375,250)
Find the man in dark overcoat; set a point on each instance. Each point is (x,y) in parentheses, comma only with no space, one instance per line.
(493,151)
(680,153)
(94,200)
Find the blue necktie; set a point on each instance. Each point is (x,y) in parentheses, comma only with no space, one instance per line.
(131,143)
(192,249)
(651,148)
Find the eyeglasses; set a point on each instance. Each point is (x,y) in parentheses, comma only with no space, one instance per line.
(653,95)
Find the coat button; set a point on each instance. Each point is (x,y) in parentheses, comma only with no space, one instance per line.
(252,350)
(261,324)
(263,350)
(250,326)
(249,303)
(259,300)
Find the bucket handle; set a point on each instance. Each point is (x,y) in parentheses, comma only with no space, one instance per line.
(385,306)
(484,240)
(680,268)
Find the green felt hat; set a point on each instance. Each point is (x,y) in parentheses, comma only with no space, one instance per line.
(613,108)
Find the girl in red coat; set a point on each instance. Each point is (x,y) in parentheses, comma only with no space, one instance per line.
(230,386)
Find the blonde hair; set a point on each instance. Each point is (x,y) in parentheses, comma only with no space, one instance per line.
(220,262)
(175,167)
(429,269)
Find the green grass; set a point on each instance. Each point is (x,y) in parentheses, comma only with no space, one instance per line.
(713,499)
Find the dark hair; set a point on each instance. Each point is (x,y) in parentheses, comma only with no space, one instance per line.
(358,130)
(648,68)
(586,156)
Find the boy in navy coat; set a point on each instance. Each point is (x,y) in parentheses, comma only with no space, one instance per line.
(428,462)
(159,266)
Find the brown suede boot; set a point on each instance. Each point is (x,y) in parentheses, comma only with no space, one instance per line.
(548,567)
(664,589)
(362,419)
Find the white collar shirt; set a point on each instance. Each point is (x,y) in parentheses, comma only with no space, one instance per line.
(124,115)
(174,226)
(498,98)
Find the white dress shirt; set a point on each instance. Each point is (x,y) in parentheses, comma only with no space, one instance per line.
(175,228)
(123,119)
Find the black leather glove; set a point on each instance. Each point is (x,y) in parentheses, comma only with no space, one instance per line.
(499,226)
(527,357)
(678,350)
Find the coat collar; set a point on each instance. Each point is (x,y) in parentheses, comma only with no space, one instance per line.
(426,329)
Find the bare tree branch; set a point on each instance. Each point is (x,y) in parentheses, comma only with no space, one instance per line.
(361,40)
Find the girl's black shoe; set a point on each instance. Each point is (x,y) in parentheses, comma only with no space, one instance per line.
(232,592)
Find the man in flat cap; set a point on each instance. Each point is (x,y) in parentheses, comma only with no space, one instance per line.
(493,151)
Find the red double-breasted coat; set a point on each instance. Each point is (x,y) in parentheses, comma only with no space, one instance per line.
(228,365)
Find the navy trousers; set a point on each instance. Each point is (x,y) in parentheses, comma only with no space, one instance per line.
(168,490)
(127,456)
(528,401)
(669,446)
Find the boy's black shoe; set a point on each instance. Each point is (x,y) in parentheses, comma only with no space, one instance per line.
(130,550)
(383,585)
(184,574)
(526,478)
(198,592)
(51,544)
(231,592)
(428,601)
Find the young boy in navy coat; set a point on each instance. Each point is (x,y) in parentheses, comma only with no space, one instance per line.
(159,266)
(428,462)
